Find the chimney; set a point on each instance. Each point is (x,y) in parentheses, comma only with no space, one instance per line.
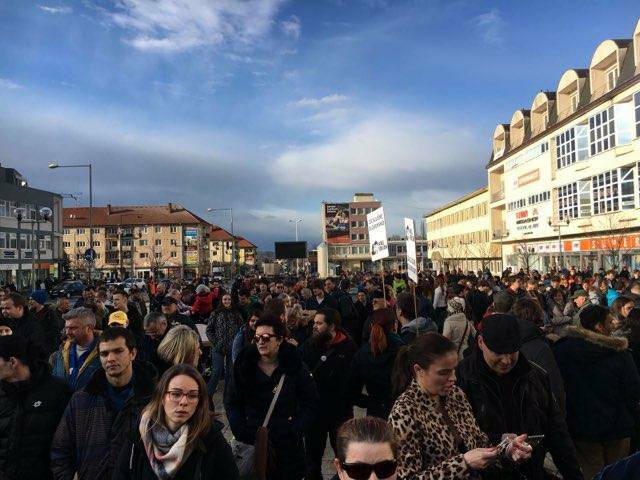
(170,207)
(108,209)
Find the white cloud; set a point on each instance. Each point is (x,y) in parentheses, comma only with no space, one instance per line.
(387,150)
(291,27)
(291,74)
(179,25)
(319,102)
(7,84)
(490,26)
(64,9)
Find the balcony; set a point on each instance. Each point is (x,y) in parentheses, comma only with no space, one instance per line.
(497,196)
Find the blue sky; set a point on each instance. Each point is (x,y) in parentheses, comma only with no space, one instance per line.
(271,106)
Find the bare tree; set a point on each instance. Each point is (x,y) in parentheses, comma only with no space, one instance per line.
(616,241)
(526,255)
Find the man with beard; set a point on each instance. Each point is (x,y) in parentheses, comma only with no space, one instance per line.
(328,354)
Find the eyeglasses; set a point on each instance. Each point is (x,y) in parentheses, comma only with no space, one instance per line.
(362,471)
(265,337)
(177,395)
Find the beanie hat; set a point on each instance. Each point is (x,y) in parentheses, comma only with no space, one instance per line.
(202,288)
(39,296)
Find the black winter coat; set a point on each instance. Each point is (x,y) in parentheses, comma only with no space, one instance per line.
(211,460)
(328,302)
(52,327)
(602,385)
(330,369)
(375,375)
(249,394)
(536,413)
(28,327)
(537,350)
(29,415)
(478,302)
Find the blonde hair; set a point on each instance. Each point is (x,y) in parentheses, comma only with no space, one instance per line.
(180,345)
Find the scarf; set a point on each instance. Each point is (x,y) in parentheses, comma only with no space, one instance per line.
(166,451)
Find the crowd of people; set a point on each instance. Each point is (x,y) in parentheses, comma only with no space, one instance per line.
(460,376)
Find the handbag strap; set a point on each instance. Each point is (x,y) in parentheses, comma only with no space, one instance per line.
(463,335)
(273,401)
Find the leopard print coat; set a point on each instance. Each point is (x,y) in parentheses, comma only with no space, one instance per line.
(427,448)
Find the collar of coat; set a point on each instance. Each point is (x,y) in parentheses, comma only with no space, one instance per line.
(144,379)
(93,354)
(618,344)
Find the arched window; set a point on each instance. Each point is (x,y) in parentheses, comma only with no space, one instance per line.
(542,112)
(519,128)
(605,66)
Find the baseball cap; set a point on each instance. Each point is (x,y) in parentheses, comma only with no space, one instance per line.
(167,300)
(501,333)
(579,293)
(118,318)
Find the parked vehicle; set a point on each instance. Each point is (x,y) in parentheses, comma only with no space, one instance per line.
(131,282)
(69,288)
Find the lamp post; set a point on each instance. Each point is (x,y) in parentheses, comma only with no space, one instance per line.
(501,236)
(559,227)
(84,165)
(296,222)
(233,239)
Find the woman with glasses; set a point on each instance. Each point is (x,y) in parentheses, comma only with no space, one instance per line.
(366,446)
(178,436)
(256,375)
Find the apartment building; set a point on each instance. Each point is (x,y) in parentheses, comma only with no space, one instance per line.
(459,235)
(221,249)
(30,242)
(163,240)
(563,178)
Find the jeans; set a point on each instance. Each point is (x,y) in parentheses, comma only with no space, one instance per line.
(219,362)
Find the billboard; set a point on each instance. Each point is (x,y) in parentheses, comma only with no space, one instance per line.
(191,237)
(291,250)
(336,222)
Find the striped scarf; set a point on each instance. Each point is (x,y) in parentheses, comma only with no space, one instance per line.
(166,451)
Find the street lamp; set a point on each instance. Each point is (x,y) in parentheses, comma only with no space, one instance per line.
(233,241)
(559,226)
(501,236)
(84,165)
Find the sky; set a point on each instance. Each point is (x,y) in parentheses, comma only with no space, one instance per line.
(270,107)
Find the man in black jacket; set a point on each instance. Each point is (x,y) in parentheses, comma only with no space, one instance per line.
(170,311)
(31,404)
(328,353)
(14,307)
(510,395)
(121,303)
(603,389)
(346,309)
(47,318)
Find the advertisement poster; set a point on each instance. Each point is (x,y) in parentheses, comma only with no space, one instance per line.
(191,258)
(191,237)
(336,222)
(412,260)
(377,235)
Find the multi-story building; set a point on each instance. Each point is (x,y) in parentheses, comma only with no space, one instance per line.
(165,240)
(345,231)
(397,259)
(221,250)
(459,236)
(563,178)
(19,255)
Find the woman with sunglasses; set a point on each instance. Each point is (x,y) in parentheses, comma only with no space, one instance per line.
(178,436)
(366,446)
(256,375)
(437,434)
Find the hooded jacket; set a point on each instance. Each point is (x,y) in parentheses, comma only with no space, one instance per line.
(409,332)
(602,385)
(374,373)
(249,394)
(91,433)
(203,304)
(29,414)
(62,369)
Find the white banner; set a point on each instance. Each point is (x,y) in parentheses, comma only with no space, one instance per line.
(377,235)
(412,260)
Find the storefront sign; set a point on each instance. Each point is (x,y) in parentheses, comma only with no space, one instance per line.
(620,243)
(529,177)
(528,219)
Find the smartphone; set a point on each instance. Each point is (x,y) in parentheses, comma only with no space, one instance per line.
(535,440)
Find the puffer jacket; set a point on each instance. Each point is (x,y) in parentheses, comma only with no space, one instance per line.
(223,325)
(602,385)
(247,400)
(29,415)
(460,331)
(91,433)
(426,442)
(203,305)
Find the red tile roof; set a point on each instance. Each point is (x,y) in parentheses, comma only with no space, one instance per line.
(244,243)
(112,215)
(219,233)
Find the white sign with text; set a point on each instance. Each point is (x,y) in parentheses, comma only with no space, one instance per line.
(377,235)
(412,259)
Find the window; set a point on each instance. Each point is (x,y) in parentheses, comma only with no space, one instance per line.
(544,147)
(574,102)
(566,148)
(174,242)
(126,242)
(158,242)
(95,231)
(568,201)
(354,224)
(80,244)
(111,231)
(637,102)
(65,231)
(3,208)
(173,229)
(354,236)
(13,242)
(144,229)
(612,77)
(157,229)
(80,231)
(613,191)
(3,240)
(66,244)
(143,243)
(539,197)
(623,115)
(602,131)
(584,198)
(144,255)
(174,254)
(96,243)
(361,236)
(158,255)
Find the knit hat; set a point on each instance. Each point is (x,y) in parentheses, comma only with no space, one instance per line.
(455,306)
(39,296)
(118,318)
(202,288)
(501,333)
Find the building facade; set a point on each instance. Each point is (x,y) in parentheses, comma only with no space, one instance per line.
(30,249)
(563,178)
(459,235)
(221,251)
(138,241)
(345,232)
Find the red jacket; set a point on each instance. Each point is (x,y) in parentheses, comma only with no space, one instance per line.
(203,303)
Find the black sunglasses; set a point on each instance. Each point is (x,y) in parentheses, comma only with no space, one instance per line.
(362,471)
